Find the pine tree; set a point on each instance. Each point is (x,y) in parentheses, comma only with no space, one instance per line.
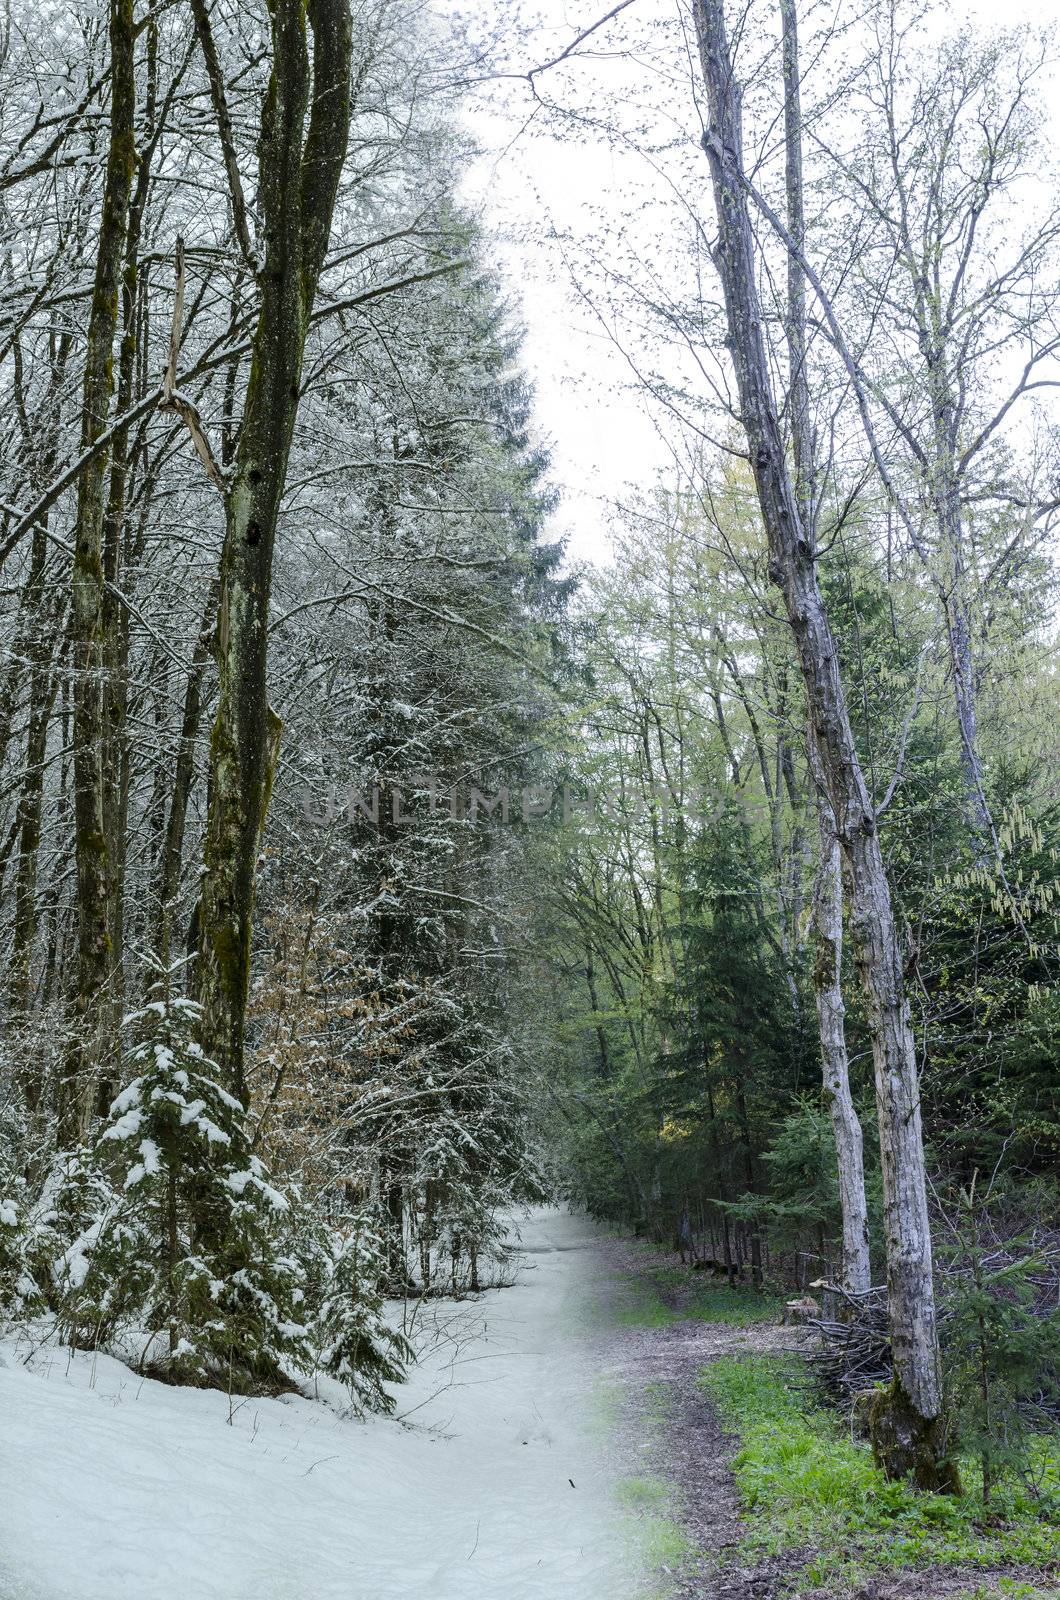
(201,1231)
(351,1338)
(1002,1347)
(21,1295)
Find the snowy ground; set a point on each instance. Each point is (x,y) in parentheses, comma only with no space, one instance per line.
(114,1487)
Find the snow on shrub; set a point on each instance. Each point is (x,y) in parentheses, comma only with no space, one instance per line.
(167,1227)
(351,1338)
(87,1249)
(201,1229)
(20,1293)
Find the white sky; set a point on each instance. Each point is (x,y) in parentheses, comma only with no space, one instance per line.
(605,439)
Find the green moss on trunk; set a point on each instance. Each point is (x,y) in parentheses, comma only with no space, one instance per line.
(907,1445)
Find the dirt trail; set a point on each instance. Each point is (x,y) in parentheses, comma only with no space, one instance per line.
(671,1430)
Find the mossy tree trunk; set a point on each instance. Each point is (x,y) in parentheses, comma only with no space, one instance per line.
(298,181)
(94,1041)
(114,769)
(910,1422)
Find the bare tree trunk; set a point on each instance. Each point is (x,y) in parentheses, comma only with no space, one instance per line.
(114,753)
(828,887)
(910,1434)
(43,685)
(172,851)
(299,176)
(94,1035)
(828,991)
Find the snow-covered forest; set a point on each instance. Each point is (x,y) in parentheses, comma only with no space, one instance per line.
(530,1018)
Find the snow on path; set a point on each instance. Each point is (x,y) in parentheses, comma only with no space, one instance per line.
(118,1488)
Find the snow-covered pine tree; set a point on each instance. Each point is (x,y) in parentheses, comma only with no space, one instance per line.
(90,1291)
(20,1292)
(202,1230)
(351,1338)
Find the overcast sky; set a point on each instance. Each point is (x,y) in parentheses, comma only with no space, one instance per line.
(605,441)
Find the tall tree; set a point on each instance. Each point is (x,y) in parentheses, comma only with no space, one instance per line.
(299,172)
(910,1432)
(828,887)
(94,1031)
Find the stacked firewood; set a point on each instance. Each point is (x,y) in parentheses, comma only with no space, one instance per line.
(854,1351)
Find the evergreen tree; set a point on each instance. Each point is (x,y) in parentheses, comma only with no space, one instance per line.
(199,1240)
(351,1338)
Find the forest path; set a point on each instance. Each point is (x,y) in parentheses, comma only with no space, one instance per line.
(495,1481)
(551,1443)
(675,1458)
(669,1436)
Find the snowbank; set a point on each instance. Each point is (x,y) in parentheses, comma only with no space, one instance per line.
(114,1487)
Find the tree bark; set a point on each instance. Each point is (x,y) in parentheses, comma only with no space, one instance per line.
(172,851)
(298,185)
(835,1072)
(914,1406)
(94,1030)
(828,886)
(43,685)
(114,751)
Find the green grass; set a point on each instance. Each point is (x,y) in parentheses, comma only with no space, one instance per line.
(659,1540)
(804,1482)
(606,1403)
(736,1307)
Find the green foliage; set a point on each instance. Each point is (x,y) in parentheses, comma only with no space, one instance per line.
(990,996)
(734,1306)
(803,1182)
(804,1481)
(1002,1347)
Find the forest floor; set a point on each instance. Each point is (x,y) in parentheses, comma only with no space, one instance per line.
(670,1332)
(554,1441)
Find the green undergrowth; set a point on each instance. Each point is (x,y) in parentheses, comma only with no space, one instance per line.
(659,1539)
(806,1484)
(735,1306)
(656,1542)
(606,1404)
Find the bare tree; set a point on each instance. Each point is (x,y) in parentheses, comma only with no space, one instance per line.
(828,886)
(910,1432)
(300,168)
(94,1036)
